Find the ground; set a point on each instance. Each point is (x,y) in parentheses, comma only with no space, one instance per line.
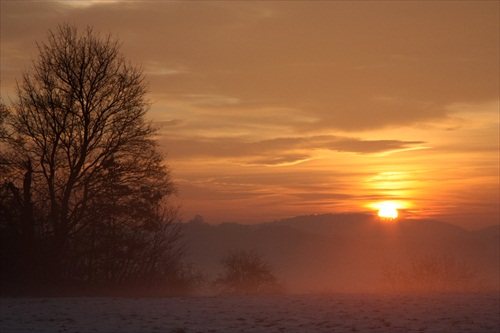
(478,312)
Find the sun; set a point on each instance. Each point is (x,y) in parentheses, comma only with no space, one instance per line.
(388,210)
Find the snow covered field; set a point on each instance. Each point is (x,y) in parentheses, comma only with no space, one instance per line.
(284,313)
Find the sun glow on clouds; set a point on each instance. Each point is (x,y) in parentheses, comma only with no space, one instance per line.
(290,108)
(86,3)
(154,68)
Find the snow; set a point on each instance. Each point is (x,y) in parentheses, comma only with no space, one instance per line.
(478,312)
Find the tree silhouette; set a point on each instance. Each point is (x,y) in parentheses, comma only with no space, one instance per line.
(246,272)
(81,167)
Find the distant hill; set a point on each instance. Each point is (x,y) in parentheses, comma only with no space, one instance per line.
(491,231)
(341,252)
(359,224)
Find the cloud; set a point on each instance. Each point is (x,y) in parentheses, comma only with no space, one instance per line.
(170,123)
(87,3)
(153,68)
(278,151)
(349,66)
(281,160)
(310,57)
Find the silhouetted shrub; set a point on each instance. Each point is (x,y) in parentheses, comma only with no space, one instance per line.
(246,273)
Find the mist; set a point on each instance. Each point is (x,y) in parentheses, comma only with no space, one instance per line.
(355,253)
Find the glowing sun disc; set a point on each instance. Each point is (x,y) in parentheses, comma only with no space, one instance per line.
(388,212)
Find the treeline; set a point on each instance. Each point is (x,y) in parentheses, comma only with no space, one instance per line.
(85,198)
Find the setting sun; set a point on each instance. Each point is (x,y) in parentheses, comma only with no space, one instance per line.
(388,210)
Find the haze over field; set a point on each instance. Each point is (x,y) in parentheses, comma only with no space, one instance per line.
(352,252)
(278,109)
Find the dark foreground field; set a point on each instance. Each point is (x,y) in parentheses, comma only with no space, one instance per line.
(477,312)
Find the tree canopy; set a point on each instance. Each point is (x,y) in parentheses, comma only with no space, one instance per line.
(84,188)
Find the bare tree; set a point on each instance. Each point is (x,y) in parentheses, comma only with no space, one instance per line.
(82,147)
(246,272)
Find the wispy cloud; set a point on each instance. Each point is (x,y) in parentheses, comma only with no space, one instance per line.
(280,151)
(87,3)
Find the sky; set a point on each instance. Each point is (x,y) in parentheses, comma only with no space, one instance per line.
(275,109)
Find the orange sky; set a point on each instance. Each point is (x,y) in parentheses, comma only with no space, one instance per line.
(277,109)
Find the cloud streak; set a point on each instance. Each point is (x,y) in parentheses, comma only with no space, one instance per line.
(279,151)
